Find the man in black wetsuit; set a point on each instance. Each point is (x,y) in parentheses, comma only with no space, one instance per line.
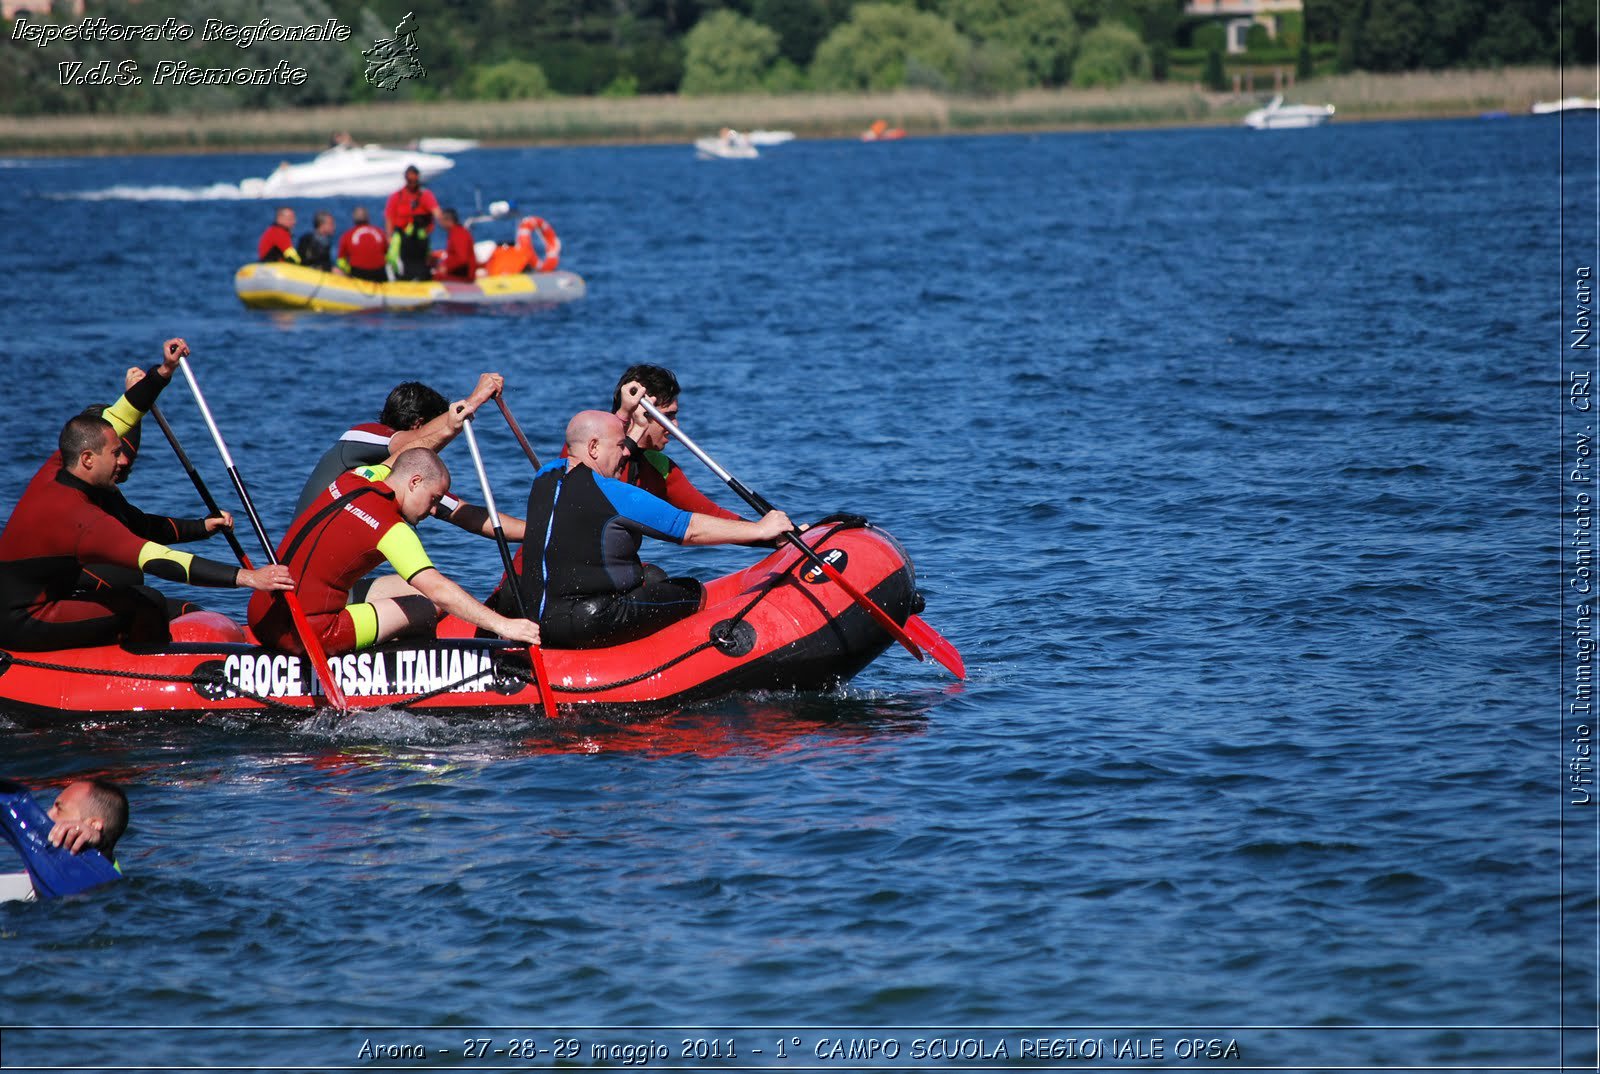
(316,246)
(582,580)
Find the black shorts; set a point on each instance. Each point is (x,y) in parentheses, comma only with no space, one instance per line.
(614,618)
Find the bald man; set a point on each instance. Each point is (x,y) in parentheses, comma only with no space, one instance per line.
(361,519)
(583,580)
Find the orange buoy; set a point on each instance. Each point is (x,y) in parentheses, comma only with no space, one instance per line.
(527,227)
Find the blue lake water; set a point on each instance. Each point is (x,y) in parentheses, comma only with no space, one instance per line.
(1233,463)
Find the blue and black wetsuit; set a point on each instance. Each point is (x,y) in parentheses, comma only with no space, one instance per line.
(581,577)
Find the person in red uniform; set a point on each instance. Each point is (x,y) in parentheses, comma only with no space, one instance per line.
(277,242)
(459,261)
(141,389)
(648,466)
(363,249)
(354,525)
(58,527)
(409,215)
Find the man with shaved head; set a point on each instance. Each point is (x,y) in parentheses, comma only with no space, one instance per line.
(361,519)
(581,576)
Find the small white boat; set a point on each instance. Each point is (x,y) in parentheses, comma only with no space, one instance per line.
(361,171)
(445,145)
(729,145)
(769,138)
(1279,116)
(1566,104)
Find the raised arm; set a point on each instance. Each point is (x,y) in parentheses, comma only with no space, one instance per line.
(447,426)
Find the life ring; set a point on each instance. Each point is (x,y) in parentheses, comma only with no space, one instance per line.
(526,227)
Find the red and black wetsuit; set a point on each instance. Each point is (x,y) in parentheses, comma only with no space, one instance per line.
(57,590)
(349,529)
(57,527)
(276,244)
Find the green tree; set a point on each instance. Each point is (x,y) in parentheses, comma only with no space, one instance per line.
(1215,76)
(994,68)
(785,77)
(510,80)
(1579,36)
(1111,54)
(886,46)
(727,53)
(800,25)
(1511,35)
(1042,33)
(1392,36)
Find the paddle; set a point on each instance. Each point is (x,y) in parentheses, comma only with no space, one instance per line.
(517,431)
(199,484)
(535,654)
(297,614)
(924,637)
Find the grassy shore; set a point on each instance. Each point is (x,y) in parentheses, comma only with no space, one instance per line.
(673,119)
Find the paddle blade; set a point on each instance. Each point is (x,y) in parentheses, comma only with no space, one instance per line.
(546,694)
(314,652)
(937,646)
(879,616)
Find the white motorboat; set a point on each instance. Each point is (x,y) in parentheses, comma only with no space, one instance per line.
(1566,104)
(729,145)
(769,138)
(445,145)
(1279,116)
(360,171)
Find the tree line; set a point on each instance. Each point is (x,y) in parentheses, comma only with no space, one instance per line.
(510,49)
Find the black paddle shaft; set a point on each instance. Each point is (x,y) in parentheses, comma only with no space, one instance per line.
(199,484)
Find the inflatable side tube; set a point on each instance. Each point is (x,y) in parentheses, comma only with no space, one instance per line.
(55,871)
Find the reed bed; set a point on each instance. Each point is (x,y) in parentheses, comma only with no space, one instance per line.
(672,118)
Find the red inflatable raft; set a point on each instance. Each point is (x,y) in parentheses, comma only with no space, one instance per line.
(778,624)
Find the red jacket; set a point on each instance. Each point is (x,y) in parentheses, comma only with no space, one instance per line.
(274,241)
(403,205)
(363,247)
(337,549)
(460,261)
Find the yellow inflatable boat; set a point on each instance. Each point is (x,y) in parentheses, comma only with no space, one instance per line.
(279,285)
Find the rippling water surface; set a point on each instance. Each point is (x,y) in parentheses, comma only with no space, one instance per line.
(1229,461)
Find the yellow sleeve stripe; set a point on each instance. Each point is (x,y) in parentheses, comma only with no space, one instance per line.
(169,562)
(122,415)
(403,549)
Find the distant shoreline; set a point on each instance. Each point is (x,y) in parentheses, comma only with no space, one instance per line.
(666,119)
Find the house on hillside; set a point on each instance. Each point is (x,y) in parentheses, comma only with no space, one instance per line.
(1237,16)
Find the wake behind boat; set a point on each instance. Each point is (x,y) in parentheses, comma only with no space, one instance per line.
(1566,104)
(345,169)
(778,624)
